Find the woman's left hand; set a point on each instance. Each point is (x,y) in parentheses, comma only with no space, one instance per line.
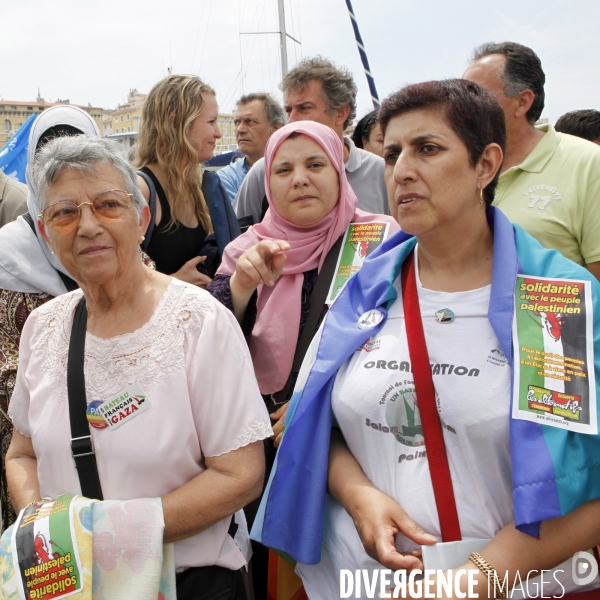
(279,416)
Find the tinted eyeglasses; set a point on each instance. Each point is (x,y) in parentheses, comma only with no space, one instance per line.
(64,216)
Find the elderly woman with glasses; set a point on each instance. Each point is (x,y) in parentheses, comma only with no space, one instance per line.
(197,445)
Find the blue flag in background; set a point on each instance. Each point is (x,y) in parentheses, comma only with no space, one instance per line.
(13,157)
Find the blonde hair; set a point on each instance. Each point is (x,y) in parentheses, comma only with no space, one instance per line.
(167,114)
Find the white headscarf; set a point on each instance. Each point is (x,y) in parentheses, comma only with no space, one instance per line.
(26,261)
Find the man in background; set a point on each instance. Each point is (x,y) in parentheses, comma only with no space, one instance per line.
(256,117)
(550,183)
(316,90)
(13,199)
(581,123)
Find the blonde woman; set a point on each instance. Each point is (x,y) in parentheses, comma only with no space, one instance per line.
(179,130)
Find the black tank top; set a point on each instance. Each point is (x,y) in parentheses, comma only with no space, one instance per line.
(171,248)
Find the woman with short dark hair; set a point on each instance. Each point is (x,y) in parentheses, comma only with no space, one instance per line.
(367,134)
(415,366)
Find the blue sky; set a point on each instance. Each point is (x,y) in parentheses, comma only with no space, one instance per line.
(96,51)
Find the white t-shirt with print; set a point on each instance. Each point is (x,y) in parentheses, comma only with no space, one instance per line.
(374,404)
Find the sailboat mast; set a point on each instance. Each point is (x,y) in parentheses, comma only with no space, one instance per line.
(363,56)
(282,38)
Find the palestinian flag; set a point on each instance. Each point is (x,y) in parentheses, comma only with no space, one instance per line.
(360,240)
(45,551)
(552,373)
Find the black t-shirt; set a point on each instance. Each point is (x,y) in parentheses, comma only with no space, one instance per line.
(171,248)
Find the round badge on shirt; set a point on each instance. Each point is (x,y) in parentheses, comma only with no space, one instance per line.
(95,419)
(370,319)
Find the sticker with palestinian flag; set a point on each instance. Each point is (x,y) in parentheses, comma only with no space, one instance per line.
(45,552)
(554,380)
(359,241)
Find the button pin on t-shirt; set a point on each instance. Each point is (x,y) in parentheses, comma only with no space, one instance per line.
(95,419)
(444,315)
(370,319)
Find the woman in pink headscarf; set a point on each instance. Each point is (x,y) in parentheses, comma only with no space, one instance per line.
(268,274)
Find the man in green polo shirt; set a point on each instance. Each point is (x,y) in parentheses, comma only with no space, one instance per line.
(550,182)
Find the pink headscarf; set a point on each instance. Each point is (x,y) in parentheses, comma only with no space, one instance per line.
(275,334)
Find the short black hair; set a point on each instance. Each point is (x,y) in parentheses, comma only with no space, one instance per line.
(522,71)
(582,123)
(474,114)
(363,129)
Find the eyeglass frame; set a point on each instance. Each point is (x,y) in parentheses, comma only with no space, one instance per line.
(41,218)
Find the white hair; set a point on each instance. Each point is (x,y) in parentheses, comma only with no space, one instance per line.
(83,153)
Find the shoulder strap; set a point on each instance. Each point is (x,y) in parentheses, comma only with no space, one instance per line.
(315,308)
(430,418)
(152,206)
(82,445)
(69,283)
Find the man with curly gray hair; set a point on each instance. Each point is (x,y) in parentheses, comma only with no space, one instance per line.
(317,90)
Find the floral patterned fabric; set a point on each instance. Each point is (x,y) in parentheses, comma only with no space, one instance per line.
(15,307)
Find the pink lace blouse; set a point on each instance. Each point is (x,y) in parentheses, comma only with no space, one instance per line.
(192,362)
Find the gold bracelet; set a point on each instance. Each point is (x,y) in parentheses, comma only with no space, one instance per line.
(487,569)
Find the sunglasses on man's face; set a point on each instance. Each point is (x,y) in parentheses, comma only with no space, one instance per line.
(64,216)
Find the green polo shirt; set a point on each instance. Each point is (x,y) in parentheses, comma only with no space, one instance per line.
(554,194)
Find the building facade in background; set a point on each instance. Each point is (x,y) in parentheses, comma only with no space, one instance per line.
(13,113)
(228,142)
(121,124)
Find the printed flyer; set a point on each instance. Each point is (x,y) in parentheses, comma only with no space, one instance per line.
(45,552)
(554,380)
(359,241)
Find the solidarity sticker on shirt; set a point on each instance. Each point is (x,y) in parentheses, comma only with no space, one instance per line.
(123,407)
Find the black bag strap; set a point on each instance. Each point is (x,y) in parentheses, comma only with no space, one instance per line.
(82,445)
(152,206)
(315,308)
(69,283)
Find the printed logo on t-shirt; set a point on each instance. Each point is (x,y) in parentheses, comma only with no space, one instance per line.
(540,195)
(402,414)
(496,357)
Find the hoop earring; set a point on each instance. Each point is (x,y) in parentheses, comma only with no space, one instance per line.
(480,195)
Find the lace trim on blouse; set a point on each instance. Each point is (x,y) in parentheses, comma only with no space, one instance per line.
(146,355)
